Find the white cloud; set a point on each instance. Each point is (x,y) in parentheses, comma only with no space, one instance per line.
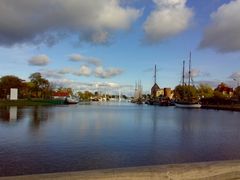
(107,73)
(83,71)
(223,34)
(235,76)
(170,18)
(65,70)
(82,58)
(108,87)
(212,83)
(51,74)
(195,73)
(39,60)
(48,21)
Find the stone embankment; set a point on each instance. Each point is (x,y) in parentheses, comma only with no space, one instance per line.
(209,170)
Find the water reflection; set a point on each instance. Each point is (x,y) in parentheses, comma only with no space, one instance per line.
(11,114)
(81,137)
(39,115)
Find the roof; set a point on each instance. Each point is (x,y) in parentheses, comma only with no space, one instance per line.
(61,94)
(155,87)
(222,87)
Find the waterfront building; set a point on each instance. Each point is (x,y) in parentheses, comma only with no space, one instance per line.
(60,95)
(155,90)
(224,89)
(168,93)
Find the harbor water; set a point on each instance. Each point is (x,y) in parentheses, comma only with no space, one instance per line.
(45,139)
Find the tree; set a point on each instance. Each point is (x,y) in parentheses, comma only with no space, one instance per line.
(85,96)
(40,85)
(237,92)
(65,90)
(205,91)
(8,82)
(185,92)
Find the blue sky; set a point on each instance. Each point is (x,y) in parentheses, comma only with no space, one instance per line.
(111,44)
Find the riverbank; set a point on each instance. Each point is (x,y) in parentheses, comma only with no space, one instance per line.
(207,170)
(32,102)
(235,107)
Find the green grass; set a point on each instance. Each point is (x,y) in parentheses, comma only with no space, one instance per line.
(33,102)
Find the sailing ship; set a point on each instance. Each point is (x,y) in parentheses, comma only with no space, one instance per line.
(138,99)
(187,101)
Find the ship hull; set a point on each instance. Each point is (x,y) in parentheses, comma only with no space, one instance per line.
(188,105)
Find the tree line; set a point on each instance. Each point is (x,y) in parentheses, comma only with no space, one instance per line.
(208,95)
(37,87)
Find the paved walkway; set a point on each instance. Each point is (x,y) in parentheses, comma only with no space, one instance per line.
(210,170)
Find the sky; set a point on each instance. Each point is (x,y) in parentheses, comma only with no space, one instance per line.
(109,45)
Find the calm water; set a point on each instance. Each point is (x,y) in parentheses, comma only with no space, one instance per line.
(82,137)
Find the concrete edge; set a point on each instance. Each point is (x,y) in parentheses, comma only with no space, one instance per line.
(204,170)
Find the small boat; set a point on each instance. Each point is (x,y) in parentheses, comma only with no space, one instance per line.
(188,105)
(71,100)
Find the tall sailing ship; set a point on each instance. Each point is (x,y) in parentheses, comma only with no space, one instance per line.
(138,99)
(187,101)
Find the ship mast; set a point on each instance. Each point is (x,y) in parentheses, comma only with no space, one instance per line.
(189,72)
(183,74)
(155,74)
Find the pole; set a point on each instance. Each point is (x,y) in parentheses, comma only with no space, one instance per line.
(183,74)
(155,74)
(189,72)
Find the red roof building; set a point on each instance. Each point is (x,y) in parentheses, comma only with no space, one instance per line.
(60,95)
(224,89)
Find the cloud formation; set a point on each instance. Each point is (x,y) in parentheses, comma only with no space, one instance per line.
(170,18)
(85,59)
(195,73)
(110,87)
(235,76)
(47,21)
(223,33)
(107,73)
(83,71)
(51,74)
(39,60)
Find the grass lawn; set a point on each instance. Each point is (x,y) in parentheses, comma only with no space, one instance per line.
(32,102)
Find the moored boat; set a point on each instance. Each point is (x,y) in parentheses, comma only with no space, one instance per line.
(71,100)
(188,105)
(187,101)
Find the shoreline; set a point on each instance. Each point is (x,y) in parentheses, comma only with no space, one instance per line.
(204,170)
(54,102)
(31,102)
(222,107)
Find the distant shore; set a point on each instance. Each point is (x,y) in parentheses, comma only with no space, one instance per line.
(205,170)
(48,102)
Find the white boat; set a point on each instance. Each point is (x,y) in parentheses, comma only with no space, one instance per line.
(71,100)
(188,105)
